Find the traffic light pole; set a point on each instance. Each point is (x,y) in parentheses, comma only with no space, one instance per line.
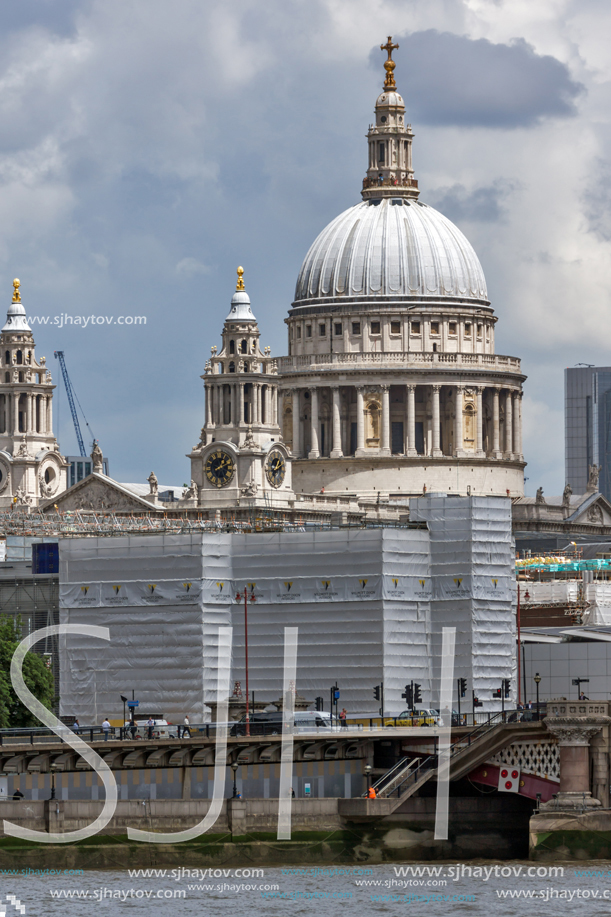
(458,698)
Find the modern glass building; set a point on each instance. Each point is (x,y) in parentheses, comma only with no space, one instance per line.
(587,426)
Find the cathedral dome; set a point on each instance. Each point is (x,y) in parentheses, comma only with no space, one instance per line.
(396,249)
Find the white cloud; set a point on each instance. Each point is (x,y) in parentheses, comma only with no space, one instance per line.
(190,267)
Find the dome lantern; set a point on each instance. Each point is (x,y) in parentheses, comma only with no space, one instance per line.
(390,172)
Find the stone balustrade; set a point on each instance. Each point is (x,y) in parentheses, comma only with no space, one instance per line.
(321,362)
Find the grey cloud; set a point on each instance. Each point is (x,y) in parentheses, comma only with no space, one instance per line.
(597,202)
(484,205)
(451,79)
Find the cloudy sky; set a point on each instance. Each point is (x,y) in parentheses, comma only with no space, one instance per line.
(147,148)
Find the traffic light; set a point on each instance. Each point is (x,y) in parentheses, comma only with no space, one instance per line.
(463,686)
(506,686)
(497,693)
(408,696)
(376,692)
(476,702)
(319,703)
(417,694)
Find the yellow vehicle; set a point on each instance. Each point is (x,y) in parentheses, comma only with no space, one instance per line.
(415,718)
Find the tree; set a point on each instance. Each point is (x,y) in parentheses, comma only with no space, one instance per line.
(37,675)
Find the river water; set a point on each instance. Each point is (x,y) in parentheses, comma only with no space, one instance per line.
(481,888)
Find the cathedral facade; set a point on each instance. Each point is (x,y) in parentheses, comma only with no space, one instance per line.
(391,386)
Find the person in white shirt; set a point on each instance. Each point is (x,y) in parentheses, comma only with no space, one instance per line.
(186,729)
(106,727)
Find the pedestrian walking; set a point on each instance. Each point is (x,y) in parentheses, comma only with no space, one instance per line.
(151,725)
(342,718)
(76,727)
(133,728)
(106,727)
(186,728)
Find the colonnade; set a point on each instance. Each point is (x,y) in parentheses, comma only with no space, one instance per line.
(26,412)
(357,420)
(243,402)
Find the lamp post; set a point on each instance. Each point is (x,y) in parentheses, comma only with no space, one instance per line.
(234,768)
(239,597)
(124,699)
(368,769)
(537,681)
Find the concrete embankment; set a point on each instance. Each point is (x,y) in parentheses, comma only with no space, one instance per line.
(246,832)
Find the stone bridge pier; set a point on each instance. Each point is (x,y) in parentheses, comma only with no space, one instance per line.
(582,731)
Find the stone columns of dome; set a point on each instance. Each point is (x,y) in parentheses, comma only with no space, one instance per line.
(458,431)
(509,424)
(336,452)
(241,404)
(411,420)
(360,421)
(496,425)
(42,412)
(259,402)
(28,424)
(296,424)
(517,425)
(436,421)
(385,389)
(480,421)
(314,451)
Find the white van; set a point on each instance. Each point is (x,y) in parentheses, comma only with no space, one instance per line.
(161,730)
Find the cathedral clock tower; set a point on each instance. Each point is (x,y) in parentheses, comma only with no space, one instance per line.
(31,467)
(241,459)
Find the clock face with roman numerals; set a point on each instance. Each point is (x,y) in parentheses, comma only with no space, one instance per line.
(275,469)
(220,468)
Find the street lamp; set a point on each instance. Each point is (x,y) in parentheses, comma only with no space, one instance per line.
(239,596)
(124,699)
(537,680)
(368,770)
(234,768)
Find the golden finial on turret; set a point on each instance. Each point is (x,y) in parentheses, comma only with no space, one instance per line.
(240,283)
(16,293)
(389,65)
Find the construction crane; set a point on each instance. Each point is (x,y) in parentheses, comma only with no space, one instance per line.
(59,355)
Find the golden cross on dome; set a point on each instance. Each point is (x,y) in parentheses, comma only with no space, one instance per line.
(240,283)
(389,65)
(16,293)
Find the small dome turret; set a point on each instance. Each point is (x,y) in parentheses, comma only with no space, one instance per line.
(15,317)
(240,302)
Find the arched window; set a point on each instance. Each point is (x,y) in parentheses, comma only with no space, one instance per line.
(21,377)
(244,347)
(19,357)
(245,366)
(231,346)
(232,367)
(7,358)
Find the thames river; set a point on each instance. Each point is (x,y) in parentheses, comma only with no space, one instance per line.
(483,888)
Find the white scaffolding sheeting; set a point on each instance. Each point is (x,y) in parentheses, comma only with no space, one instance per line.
(472,556)
(370,605)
